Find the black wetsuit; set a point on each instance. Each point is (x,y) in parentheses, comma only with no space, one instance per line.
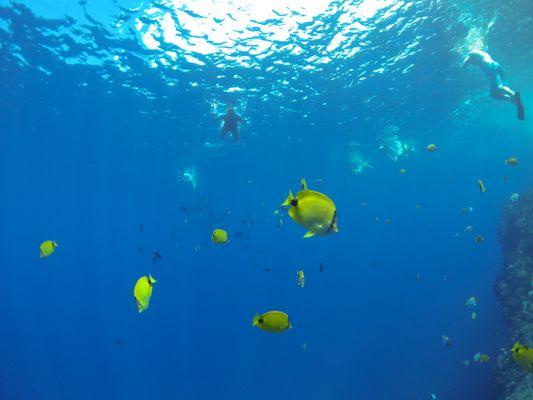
(231,124)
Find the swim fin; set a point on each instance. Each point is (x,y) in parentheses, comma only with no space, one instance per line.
(519,106)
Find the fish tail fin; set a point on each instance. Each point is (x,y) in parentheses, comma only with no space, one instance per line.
(304,184)
(255,321)
(288,201)
(151,279)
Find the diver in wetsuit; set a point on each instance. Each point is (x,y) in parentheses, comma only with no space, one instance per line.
(231,123)
(494,72)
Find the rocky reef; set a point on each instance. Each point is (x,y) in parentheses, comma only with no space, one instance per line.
(514,289)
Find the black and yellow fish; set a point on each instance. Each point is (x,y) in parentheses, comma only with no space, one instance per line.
(523,356)
(312,210)
(272,321)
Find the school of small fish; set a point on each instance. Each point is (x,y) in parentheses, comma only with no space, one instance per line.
(317,213)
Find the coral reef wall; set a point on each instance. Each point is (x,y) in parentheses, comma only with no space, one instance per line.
(514,289)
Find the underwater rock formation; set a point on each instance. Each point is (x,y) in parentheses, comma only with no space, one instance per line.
(514,289)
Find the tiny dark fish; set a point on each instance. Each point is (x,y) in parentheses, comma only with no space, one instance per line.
(373,263)
(140,249)
(156,256)
(247,221)
(446,277)
(141,227)
(267,269)
(183,208)
(117,341)
(321,267)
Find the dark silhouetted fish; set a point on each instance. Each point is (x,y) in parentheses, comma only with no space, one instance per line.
(156,256)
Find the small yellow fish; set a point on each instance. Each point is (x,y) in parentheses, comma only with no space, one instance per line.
(47,248)
(483,358)
(402,171)
(431,147)
(142,292)
(219,236)
(479,239)
(523,356)
(481,186)
(301,278)
(272,321)
(512,161)
(312,210)
(480,358)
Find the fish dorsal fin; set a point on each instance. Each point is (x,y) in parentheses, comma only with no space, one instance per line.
(304,184)
(288,200)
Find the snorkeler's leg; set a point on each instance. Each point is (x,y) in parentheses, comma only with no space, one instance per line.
(223,132)
(235,134)
(502,93)
(506,93)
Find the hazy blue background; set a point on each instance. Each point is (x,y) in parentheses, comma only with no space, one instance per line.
(98,123)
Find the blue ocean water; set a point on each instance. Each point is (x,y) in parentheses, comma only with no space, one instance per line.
(111,147)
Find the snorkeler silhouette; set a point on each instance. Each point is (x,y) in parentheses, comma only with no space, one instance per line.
(494,72)
(231,123)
